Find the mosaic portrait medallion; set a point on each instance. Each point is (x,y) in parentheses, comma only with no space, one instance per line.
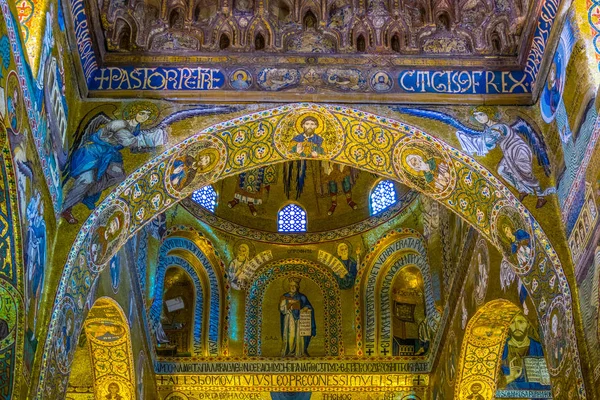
(424,164)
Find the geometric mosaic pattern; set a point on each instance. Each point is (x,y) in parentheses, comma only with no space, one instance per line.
(390,148)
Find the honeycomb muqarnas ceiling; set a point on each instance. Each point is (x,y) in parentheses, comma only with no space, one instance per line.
(472,28)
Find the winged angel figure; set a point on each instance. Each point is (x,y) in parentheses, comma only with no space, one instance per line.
(97,162)
(518,142)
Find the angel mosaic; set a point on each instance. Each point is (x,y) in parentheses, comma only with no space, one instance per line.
(518,141)
(97,164)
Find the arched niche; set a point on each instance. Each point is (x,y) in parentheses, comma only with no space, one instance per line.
(181,296)
(109,341)
(406,305)
(351,137)
(187,249)
(392,253)
(265,325)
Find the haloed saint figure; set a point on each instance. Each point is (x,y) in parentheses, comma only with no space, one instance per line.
(297,321)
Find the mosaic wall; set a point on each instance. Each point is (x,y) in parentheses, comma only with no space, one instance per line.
(507,171)
(420,161)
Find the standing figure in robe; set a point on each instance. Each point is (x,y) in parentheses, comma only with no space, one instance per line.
(343,253)
(290,306)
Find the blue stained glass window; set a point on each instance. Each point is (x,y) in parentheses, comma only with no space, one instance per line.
(206,197)
(382,196)
(292,218)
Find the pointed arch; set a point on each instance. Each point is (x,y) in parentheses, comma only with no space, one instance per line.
(107,332)
(156,309)
(463,185)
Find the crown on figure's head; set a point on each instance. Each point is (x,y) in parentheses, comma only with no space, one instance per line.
(296,280)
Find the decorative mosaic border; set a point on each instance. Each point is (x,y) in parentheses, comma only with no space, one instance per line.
(165,262)
(477,196)
(300,238)
(174,240)
(36,122)
(215,78)
(11,276)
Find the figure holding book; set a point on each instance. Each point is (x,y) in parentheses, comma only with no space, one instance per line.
(295,310)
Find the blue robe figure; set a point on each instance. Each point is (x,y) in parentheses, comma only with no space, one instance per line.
(35,255)
(97,164)
(115,270)
(517,348)
(522,238)
(290,306)
(347,282)
(534,350)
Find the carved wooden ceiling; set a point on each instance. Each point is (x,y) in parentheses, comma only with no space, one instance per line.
(471,28)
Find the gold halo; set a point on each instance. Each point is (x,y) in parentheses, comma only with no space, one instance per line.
(134,107)
(313,114)
(238,73)
(410,151)
(214,159)
(386,76)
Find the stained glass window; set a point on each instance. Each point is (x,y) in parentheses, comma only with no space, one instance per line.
(206,197)
(382,196)
(292,218)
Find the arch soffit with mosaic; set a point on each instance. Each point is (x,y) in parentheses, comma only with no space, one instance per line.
(110,346)
(351,137)
(482,347)
(320,275)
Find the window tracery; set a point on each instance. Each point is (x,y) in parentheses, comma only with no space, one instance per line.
(206,197)
(382,196)
(291,219)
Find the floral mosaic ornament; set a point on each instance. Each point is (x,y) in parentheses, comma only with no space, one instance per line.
(12,314)
(370,142)
(482,348)
(110,350)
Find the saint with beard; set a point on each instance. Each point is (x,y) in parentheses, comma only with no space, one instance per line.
(518,347)
(308,143)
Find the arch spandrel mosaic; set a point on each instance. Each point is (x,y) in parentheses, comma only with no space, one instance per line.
(493,202)
(443,176)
